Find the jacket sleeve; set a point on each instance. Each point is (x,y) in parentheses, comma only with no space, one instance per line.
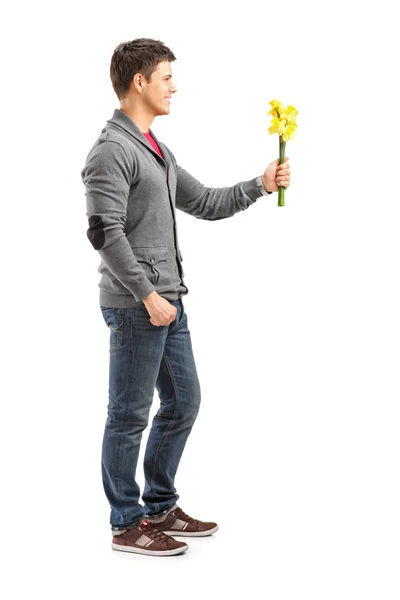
(212,204)
(107,176)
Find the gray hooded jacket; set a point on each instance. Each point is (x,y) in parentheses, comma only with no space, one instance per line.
(131,197)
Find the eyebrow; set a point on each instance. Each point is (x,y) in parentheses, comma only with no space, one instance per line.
(168,75)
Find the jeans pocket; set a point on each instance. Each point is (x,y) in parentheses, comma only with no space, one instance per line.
(114,319)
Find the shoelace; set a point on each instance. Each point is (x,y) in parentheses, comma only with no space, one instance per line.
(179,513)
(155,533)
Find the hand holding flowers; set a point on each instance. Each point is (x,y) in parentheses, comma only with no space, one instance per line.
(277,175)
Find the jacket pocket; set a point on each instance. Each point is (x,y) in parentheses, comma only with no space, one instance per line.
(153,259)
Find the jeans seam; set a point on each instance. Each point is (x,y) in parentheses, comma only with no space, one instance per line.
(119,453)
(166,429)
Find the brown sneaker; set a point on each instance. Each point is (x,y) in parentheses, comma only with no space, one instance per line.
(144,538)
(178,523)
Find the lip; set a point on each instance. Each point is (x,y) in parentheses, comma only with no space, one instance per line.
(168,98)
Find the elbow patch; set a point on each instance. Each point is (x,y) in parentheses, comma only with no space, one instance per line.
(95,232)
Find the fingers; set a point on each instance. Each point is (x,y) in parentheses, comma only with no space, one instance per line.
(282,181)
(282,177)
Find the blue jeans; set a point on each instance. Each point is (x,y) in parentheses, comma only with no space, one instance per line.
(144,357)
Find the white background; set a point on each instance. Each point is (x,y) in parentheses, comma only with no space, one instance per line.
(293,311)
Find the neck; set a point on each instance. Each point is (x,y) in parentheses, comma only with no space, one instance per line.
(139,114)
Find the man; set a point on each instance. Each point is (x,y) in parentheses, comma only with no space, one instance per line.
(133,186)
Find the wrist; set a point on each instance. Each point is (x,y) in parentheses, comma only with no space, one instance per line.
(149,298)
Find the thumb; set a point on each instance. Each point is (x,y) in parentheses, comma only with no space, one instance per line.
(277,162)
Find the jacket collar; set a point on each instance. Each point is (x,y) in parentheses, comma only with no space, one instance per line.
(120,120)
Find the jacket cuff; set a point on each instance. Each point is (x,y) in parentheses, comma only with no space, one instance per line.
(251,188)
(261,187)
(143,289)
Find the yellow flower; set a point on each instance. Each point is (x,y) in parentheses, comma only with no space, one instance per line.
(291,110)
(289,133)
(275,125)
(277,105)
(283,120)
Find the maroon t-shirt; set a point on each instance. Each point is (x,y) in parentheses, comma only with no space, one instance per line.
(152,141)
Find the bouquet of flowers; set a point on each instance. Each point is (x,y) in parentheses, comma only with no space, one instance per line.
(284,123)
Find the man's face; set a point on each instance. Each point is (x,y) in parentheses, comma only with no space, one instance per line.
(157,94)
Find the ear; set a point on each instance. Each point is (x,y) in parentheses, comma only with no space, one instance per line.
(137,81)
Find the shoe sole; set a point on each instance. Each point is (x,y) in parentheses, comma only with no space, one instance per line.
(192,534)
(149,552)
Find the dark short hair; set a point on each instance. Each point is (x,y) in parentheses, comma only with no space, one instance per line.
(138,56)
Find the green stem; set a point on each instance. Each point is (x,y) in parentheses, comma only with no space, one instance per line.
(281,189)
